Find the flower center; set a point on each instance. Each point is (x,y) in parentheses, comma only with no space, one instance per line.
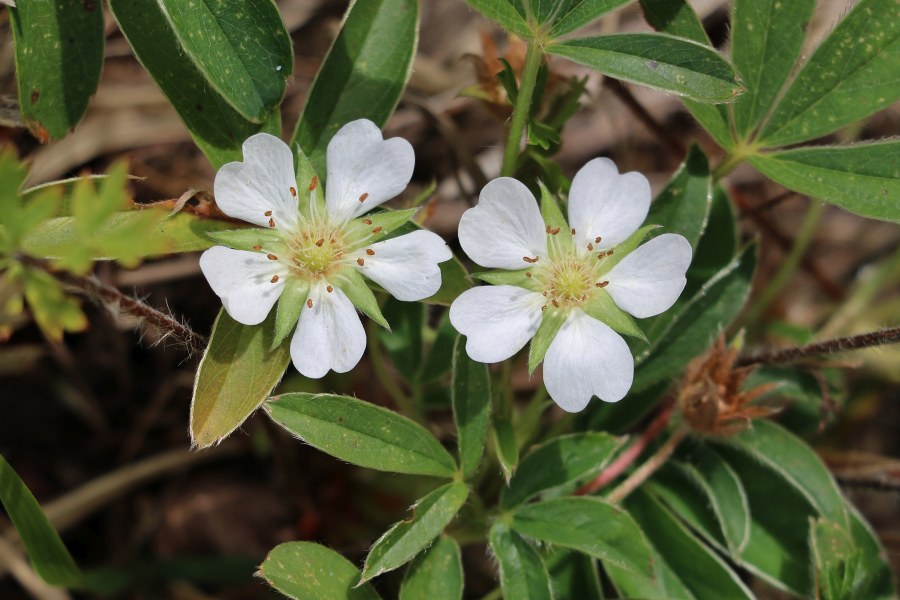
(316,252)
(569,282)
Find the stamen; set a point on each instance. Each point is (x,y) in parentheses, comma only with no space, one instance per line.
(530,260)
(293,191)
(332,241)
(268,213)
(360,261)
(573,231)
(554,303)
(543,308)
(590,247)
(257,248)
(377,229)
(274,278)
(363,197)
(549,229)
(370,252)
(314,183)
(367,221)
(554,231)
(320,242)
(544,294)
(597,239)
(271,222)
(271,257)
(601,284)
(329,289)
(528,274)
(309,302)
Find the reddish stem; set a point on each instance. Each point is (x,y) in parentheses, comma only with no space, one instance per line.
(624,460)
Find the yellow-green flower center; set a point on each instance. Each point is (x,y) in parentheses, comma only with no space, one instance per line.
(316,252)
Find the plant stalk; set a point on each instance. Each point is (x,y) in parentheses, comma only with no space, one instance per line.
(522,108)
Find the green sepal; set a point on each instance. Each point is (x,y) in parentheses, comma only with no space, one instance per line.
(290,304)
(387,220)
(551,322)
(247,238)
(626,247)
(305,174)
(553,217)
(352,283)
(503,277)
(603,308)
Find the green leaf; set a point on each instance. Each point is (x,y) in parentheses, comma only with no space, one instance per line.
(836,561)
(863,178)
(48,554)
(363,75)
(506,445)
(879,581)
(714,251)
(569,15)
(700,570)
(851,75)
(407,538)
(698,323)
(454,281)
(766,36)
(574,576)
(290,303)
(308,571)
(218,129)
(657,60)
(436,574)
(440,357)
(793,460)
(509,14)
(676,17)
(240,47)
(684,495)
(683,206)
(471,400)
(361,433)
(589,525)
(522,572)
(403,340)
(53,310)
(560,462)
(551,322)
(237,373)
(59,55)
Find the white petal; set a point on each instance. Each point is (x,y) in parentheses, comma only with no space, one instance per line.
(505,226)
(496,320)
(406,266)
(360,162)
(586,359)
(329,335)
(649,280)
(243,280)
(604,204)
(247,190)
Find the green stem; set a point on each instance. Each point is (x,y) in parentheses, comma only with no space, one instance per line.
(788,266)
(728,164)
(522,108)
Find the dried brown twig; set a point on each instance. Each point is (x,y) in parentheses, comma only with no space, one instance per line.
(843,344)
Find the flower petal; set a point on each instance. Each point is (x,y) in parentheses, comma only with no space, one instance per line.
(496,320)
(587,359)
(505,227)
(604,204)
(406,266)
(365,170)
(329,335)
(649,280)
(243,280)
(262,183)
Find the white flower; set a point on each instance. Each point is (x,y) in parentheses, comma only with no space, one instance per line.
(316,250)
(570,284)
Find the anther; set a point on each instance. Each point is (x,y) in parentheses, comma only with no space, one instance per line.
(590,247)
(293,191)
(268,213)
(271,257)
(309,302)
(554,303)
(274,278)
(597,239)
(544,294)
(332,241)
(528,274)
(573,231)
(377,229)
(320,242)
(363,197)
(530,260)
(601,284)
(370,252)
(554,231)
(257,248)
(549,229)
(367,221)
(329,289)
(271,222)
(360,261)
(543,308)
(314,183)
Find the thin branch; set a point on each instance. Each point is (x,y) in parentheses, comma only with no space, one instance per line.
(843,344)
(637,109)
(94,288)
(649,467)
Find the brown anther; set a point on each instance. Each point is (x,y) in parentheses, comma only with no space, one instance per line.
(543,308)
(363,197)
(268,213)
(329,289)
(554,303)
(549,229)
(320,242)
(293,191)
(573,231)
(609,252)
(530,260)
(314,183)
(367,221)
(554,231)
(360,261)
(528,274)
(309,302)
(271,257)
(271,222)
(257,248)
(590,247)
(377,229)
(370,252)
(332,241)
(274,278)
(544,294)
(601,284)
(597,239)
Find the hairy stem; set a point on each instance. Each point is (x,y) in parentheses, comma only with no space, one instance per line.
(843,344)
(522,108)
(649,467)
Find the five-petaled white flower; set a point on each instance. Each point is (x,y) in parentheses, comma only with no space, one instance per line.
(571,284)
(311,253)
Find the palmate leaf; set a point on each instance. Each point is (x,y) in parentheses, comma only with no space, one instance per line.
(551,18)
(308,571)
